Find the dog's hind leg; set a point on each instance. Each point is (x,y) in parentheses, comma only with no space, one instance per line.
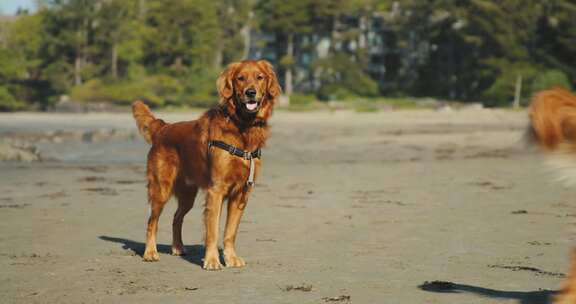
(568,293)
(162,171)
(185,195)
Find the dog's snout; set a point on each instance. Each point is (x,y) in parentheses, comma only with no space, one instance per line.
(251,93)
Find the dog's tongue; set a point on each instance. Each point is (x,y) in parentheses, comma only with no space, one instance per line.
(251,106)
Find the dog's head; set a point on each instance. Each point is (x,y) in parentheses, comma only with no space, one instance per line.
(249,87)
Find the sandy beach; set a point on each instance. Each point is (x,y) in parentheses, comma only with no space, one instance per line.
(350,208)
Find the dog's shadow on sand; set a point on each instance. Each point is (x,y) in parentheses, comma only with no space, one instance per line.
(523,297)
(194,253)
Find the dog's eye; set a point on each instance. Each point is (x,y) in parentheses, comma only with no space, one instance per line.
(260,77)
(240,78)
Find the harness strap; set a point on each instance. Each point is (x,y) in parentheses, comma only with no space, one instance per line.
(239,153)
(250,181)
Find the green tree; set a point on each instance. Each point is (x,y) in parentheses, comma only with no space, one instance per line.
(342,77)
(470,43)
(286,19)
(554,39)
(235,20)
(21,78)
(181,34)
(119,35)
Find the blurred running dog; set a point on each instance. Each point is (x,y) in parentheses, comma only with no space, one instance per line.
(553,127)
(219,152)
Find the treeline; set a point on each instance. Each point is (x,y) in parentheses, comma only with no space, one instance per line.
(169,52)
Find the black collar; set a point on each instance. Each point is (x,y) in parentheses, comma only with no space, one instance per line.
(243,124)
(235,151)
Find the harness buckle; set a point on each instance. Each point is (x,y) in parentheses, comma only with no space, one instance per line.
(247,155)
(232,150)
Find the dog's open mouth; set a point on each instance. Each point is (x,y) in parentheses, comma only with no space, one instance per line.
(252,105)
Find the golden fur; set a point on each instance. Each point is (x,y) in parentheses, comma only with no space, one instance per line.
(553,127)
(553,118)
(180,161)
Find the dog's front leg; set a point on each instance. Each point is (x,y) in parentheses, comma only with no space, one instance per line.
(236,205)
(212,210)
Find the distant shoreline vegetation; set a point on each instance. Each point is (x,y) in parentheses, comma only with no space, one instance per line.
(366,54)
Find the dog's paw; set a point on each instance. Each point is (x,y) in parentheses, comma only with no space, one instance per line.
(234,261)
(151,256)
(212,264)
(178,251)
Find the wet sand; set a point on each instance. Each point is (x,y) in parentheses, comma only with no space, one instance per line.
(350,208)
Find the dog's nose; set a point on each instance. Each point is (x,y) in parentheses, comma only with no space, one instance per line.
(251,93)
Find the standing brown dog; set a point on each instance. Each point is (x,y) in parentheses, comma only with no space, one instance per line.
(553,126)
(219,152)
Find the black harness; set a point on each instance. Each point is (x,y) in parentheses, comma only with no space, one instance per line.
(239,153)
(235,151)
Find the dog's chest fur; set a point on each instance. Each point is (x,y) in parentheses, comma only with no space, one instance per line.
(229,169)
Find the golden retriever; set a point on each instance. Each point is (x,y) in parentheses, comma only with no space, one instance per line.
(219,152)
(553,127)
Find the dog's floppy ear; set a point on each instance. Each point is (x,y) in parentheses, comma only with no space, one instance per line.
(273,89)
(224,82)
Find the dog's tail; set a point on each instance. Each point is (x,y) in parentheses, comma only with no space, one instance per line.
(553,118)
(553,127)
(148,125)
